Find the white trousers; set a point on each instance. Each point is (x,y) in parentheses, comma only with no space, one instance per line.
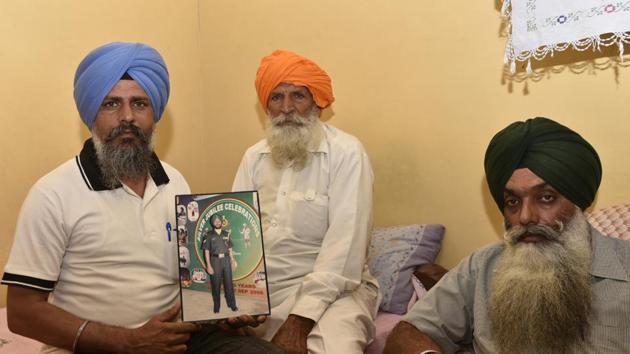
(346,327)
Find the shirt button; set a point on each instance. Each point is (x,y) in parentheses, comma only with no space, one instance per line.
(274,224)
(283,193)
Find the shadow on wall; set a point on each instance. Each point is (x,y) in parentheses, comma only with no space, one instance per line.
(588,62)
(394,161)
(495,216)
(498,4)
(84,131)
(164,131)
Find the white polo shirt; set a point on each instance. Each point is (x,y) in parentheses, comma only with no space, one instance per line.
(104,254)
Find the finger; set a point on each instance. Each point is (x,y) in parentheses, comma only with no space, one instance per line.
(178,349)
(177,339)
(234,321)
(246,331)
(242,320)
(225,327)
(247,320)
(182,327)
(172,340)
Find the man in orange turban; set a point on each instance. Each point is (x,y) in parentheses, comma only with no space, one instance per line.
(315,186)
(283,66)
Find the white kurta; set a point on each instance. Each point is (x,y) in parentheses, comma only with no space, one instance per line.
(316,226)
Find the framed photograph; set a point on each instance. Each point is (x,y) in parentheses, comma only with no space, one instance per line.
(222,269)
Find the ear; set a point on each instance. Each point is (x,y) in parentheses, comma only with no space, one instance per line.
(317,110)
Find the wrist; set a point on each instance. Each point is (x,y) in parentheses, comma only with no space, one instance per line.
(100,338)
(125,341)
(77,336)
(305,324)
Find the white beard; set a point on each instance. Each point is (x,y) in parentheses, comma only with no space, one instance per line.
(541,295)
(290,136)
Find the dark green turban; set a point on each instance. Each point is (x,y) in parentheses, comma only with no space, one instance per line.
(550,150)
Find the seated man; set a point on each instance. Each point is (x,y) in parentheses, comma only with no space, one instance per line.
(555,284)
(92,267)
(315,185)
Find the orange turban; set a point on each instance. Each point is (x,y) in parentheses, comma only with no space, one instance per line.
(283,66)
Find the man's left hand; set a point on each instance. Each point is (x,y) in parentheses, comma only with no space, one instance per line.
(242,324)
(293,333)
(245,320)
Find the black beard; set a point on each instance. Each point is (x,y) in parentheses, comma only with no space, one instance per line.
(130,159)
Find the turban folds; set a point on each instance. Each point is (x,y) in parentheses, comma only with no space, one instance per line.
(283,66)
(103,67)
(550,150)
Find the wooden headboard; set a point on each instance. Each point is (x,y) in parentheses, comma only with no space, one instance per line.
(429,274)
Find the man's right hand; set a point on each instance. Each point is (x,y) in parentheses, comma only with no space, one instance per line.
(293,333)
(210,270)
(407,339)
(162,334)
(31,315)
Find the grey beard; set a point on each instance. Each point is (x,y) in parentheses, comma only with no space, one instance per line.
(540,298)
(126,160)
(289,143)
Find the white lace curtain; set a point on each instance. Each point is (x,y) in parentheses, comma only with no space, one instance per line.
(538,28)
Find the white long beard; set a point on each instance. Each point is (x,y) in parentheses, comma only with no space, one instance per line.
(541,295)
(290,136)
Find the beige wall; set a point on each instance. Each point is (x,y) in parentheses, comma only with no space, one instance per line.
(420,83)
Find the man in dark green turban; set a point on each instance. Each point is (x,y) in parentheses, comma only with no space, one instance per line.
(555,284)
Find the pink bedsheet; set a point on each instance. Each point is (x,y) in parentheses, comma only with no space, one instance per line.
(13,343)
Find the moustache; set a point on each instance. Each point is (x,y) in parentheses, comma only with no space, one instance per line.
(126,127)
(288,119)
(517,232)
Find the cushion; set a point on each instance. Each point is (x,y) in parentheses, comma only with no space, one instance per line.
(385,322)
(418,292)
(393,254)
(612,221)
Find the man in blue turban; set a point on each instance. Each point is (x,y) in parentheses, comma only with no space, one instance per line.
(555,284)
(92,267)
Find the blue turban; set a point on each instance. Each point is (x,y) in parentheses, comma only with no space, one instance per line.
(103,67)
